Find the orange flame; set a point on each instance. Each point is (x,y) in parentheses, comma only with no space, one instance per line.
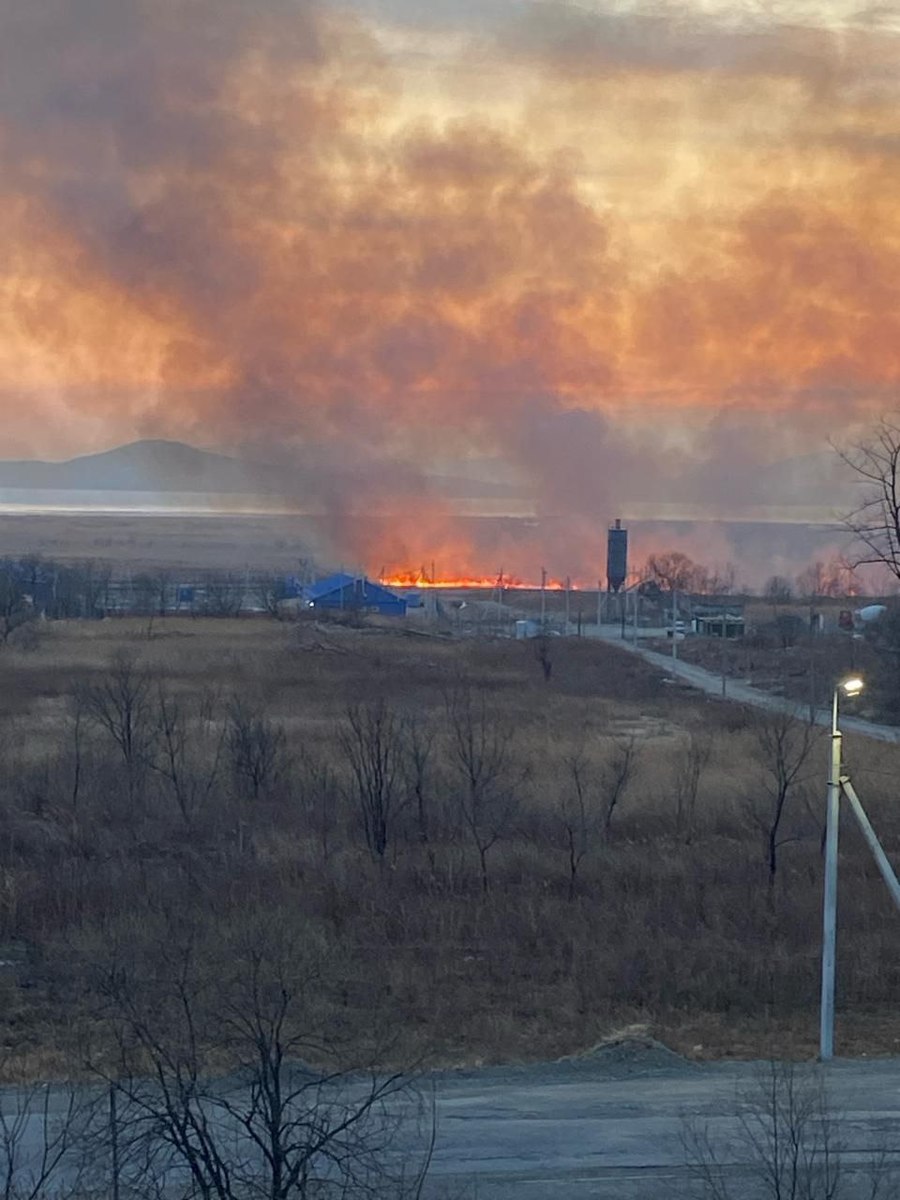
(413,579)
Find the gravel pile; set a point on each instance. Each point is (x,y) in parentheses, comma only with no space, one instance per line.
(631,1054)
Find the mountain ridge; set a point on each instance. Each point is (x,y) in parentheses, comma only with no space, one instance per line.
(163,466)
(142,466)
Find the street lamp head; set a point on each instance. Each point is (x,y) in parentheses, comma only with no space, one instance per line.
(851,686)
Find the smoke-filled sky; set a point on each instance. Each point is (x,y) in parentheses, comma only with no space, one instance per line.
(615,252)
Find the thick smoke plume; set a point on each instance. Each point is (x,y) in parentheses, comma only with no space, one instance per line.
(630,257)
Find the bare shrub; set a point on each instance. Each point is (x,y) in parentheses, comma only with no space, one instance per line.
(787,1145)
(588,798)
(692,763)
(257,747)
(488,774)
(371,740)
(783,747)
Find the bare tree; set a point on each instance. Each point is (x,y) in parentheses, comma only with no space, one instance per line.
(778,590)
(150,592)
(43,1131)
(288,1121)
(269,592)
(418,747)
(257,747)
(188,755)
(372,742)
(120,705)
(223,594)
(16,606)
(483,752)
(720,580)
(72,764)
(823,579)
(578,815)
(784,745)
(542,654)
(875,521)
(674,572)
(617,774)
(587,801)
(320,791)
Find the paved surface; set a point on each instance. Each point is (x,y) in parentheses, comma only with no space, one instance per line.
(572,1131)
(609,1124)
(743,693)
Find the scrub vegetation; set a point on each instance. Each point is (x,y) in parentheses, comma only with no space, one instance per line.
(486,860)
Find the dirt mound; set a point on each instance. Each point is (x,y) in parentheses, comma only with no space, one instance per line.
(631,1051)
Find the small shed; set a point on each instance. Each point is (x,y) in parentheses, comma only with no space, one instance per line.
(718,621)
(354,593)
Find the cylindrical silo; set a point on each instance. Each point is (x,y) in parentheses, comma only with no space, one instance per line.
(616,556)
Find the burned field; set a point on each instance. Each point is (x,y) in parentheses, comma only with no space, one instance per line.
(491,860)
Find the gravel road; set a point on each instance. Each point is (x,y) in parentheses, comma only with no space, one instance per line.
(609,1123)
(612,1125)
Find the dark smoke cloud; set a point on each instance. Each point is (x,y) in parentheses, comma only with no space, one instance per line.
(231,226)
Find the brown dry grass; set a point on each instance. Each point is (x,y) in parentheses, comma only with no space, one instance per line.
(675,929)
(143,542)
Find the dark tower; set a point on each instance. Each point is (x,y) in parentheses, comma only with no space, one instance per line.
(616,556)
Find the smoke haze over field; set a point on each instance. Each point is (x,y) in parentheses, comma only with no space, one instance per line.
(616,253)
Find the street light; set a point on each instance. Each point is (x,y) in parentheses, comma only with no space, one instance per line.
(850,687)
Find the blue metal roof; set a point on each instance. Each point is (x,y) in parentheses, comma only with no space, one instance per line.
(324,587)
(372,593)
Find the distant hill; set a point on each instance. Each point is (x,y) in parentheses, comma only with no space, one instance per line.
(164,466)
(147,466)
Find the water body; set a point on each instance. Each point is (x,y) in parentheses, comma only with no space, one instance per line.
(481,535)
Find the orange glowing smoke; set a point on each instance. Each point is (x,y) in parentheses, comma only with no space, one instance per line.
(625,254)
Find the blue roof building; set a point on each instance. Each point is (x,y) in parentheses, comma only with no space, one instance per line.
(355,593)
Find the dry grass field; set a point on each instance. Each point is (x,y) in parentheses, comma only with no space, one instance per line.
(497,863)
(140,541)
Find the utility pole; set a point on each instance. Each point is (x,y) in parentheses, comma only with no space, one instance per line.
(634,613)
(674,625)
(599,604)
(839,785)
(543,597)
(568,589)
(829,900)
(722,654)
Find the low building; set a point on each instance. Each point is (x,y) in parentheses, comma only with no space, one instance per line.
(354,593)
(717,620)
